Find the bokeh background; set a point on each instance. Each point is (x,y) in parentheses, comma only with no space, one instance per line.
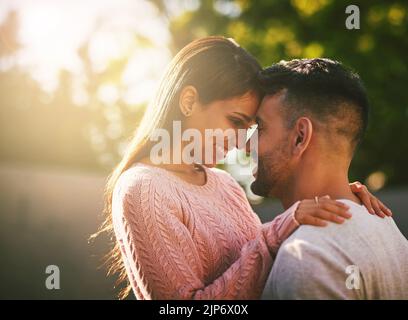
(75,78)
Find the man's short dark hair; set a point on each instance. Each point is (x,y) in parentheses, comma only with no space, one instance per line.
(322,88)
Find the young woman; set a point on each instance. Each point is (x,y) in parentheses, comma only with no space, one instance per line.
(187,231)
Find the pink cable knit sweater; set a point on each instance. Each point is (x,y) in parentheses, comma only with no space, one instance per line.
(184,241)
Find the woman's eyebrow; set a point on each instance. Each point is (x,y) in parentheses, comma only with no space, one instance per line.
(246,117)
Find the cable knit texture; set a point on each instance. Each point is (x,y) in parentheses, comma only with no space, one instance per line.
(184,241)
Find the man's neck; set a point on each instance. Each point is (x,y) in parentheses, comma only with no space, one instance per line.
(318,181)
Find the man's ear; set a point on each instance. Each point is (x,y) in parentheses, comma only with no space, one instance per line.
(187,100)
(303,135)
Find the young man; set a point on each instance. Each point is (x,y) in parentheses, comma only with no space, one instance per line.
(310,122)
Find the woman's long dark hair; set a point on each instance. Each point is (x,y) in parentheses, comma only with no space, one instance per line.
(219,69)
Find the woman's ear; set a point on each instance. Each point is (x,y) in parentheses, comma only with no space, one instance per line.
(187,100)
(303,135)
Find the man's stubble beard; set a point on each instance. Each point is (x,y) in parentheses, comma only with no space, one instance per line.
(273,170)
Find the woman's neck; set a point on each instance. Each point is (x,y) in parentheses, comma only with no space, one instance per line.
(191,173)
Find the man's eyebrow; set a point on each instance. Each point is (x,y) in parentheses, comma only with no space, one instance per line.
(246,117)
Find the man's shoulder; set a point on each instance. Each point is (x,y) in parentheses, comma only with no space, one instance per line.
(362,240)
(362,224)
(312,261)
(310,264)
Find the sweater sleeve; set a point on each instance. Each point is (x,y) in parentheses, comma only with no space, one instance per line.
(162,260)
(280,228)
(275,231)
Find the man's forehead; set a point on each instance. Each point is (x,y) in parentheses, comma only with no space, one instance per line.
(271,105)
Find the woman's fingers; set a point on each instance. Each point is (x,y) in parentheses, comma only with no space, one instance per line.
(380,209)
(325,209)
(365,198)
(355,187)
(385,209)
(313,221)
(328,216)
(373,205)
(377,208)
(321,210)
(337,208)
(326,200)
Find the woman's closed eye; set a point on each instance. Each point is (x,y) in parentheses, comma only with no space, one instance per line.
(237,122)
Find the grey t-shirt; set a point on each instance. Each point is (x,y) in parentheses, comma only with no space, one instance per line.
(366,257)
